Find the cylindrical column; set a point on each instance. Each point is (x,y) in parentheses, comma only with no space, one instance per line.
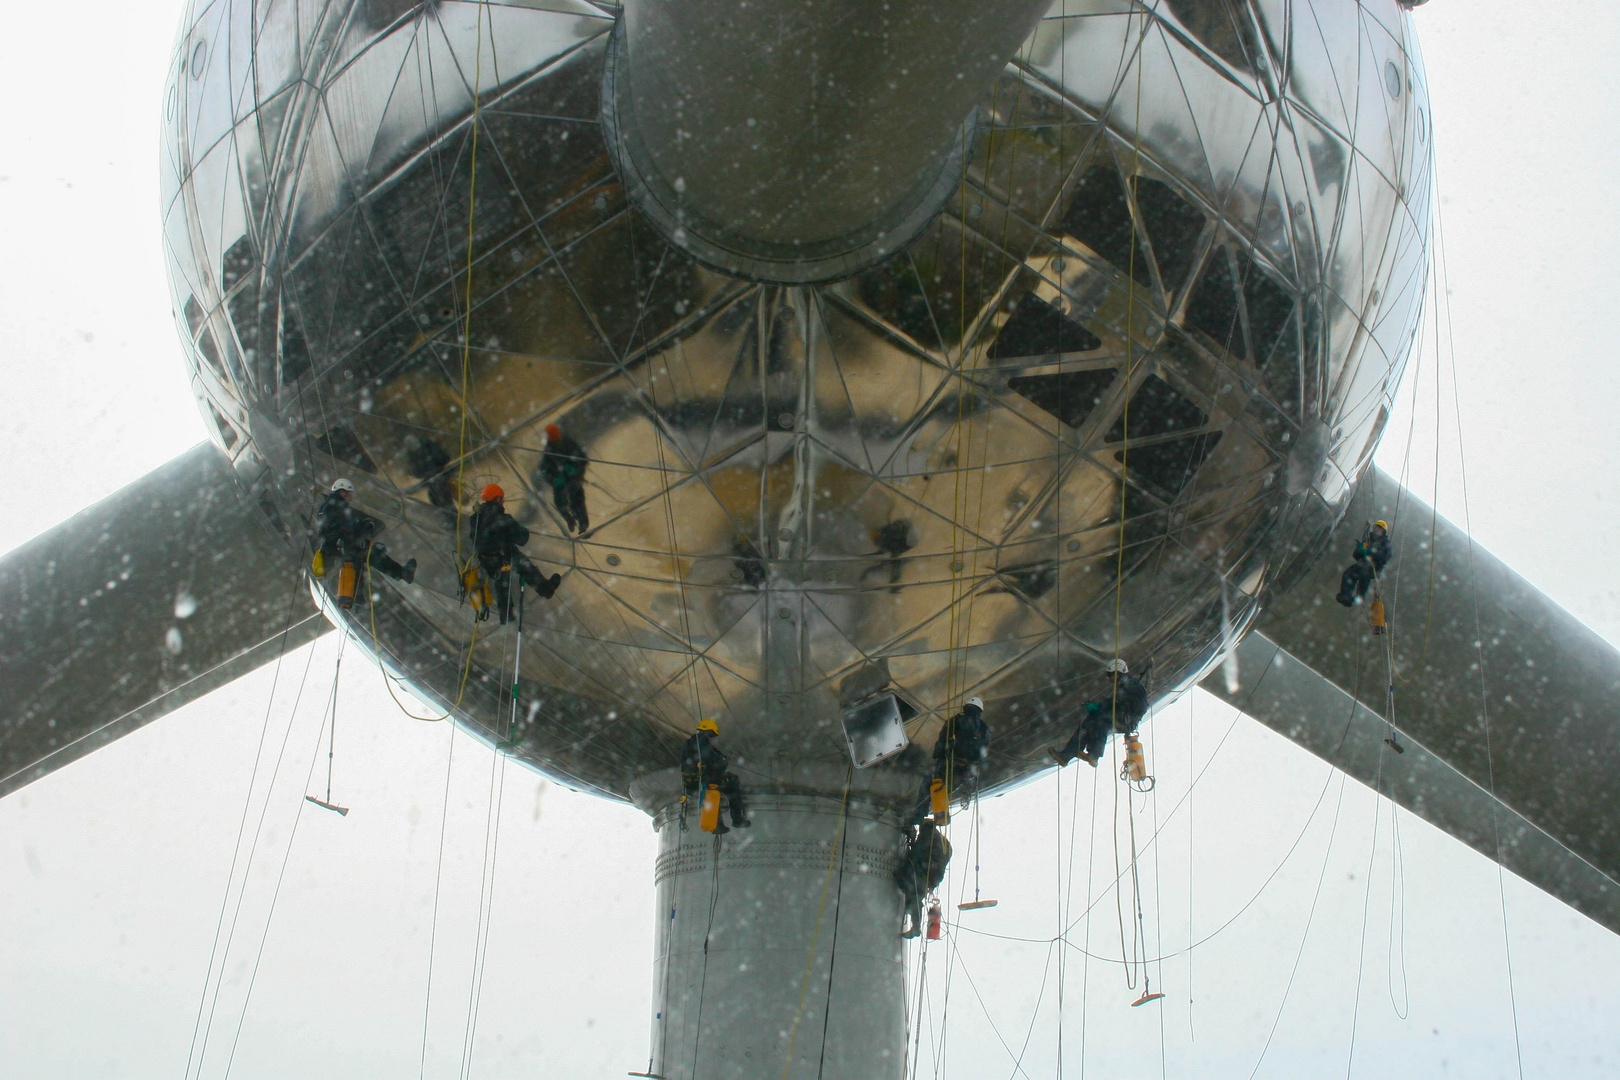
(778,947)
(799,142)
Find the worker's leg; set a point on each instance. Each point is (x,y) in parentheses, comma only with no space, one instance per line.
(1368,574)
(1353,584)
(501,582)
(1071,748)
(913,914)
(967,779)
(576,503)
(925,803)
(1095,739)
(545,586)
(560,499)
(1347,585)
(732,790)
(380,560)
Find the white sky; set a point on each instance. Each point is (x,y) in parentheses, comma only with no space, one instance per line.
(113,870)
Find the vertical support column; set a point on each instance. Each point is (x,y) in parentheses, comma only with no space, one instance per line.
(800,142)
(747,984)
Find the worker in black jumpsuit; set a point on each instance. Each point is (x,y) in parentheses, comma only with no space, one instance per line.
(1120,710)
(563,467)
(960,752)
(894,540)
(497,540)
(703,764)
(1371,554)
(343,533)
(920,872)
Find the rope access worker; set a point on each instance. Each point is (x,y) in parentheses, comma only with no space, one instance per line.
(959,756)
(345,536)
(1371,554)
(497,539)
(894,540)
(563,467)
(1121,710)
(704,765)
(920,872)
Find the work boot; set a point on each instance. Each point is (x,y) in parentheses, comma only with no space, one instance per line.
(1347,599)
(915,931)
(739,822)
(408,574)
(1089,759)
(720,828)
(1058,756)
(548,587)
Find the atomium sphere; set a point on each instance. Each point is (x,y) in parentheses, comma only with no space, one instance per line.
(1106,403)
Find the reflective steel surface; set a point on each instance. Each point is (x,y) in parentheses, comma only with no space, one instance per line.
(983,467)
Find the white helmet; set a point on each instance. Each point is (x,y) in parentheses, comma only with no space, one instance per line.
(977,703)
(1119,666)
(341,484)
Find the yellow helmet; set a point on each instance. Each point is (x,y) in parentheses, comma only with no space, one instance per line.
(709,725)
(1382,525)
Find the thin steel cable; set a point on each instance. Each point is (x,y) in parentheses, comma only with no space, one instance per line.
(1192,848)
(832,946)
(1018,1068)
(1366,907)
(1479,651)
(281,875)
(708,934)
(438,882)
(258,830)
(804,986)
(1305,936)
(1397,887)
(486,879)
(1326,855)
(241,828)
(1035,1013)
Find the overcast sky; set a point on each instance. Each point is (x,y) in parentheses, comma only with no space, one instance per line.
(114,870)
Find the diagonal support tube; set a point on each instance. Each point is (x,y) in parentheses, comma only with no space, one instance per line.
(1543,801)
(145,601)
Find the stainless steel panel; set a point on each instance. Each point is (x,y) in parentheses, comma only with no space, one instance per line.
(751,445)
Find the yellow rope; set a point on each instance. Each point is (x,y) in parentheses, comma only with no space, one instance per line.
(461,446)
(376,650)
(1124,483)
(466,326)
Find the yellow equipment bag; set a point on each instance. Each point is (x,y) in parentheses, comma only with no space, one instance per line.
(940,802)
(709,819)
(1135,769)
(475,589)
(345,588)
(1376,611)
(317,565)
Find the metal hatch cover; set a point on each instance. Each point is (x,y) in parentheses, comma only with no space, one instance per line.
(875,729)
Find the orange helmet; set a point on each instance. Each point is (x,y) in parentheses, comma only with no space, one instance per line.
(553,433)
(493,492)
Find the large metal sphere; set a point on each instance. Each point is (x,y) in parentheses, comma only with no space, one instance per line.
(1085,447)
